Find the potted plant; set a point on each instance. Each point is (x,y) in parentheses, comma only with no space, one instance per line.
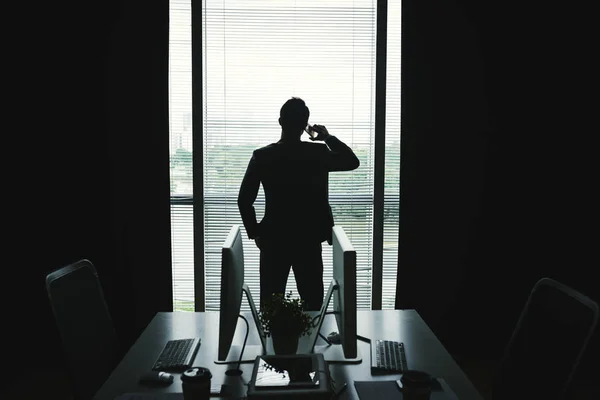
(283,319)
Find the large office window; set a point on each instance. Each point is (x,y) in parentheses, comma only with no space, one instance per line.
(255,56)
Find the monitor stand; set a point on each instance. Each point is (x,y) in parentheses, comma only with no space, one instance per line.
(334,353)
(247,354)
(250,352)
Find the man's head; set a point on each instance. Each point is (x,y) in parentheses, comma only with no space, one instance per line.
(293,115)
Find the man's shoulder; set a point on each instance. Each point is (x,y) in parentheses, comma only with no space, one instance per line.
(314,145)
(268,147)
(279,147)
(264,150)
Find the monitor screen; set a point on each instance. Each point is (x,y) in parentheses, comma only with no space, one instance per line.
(232,281)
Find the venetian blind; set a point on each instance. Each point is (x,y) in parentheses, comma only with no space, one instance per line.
(323,52)
(180,134)
(391,221)
(256,55)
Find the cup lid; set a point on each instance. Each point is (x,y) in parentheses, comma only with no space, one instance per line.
(196,374)
(416,378)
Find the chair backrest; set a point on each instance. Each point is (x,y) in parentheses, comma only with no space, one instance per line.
(547,344)
(85,325)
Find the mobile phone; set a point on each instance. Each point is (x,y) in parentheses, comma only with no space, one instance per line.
(311,131)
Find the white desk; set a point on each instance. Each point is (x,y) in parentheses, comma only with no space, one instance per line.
(423,351)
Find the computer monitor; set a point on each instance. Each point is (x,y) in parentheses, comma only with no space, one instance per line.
(232,291)
(344,304)
(342,291)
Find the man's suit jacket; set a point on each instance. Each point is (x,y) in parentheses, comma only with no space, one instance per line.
(295,177)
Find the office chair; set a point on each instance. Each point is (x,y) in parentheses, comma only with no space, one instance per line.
(547,343)
(85,325)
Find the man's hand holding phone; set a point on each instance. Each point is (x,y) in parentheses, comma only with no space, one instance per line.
(317,132)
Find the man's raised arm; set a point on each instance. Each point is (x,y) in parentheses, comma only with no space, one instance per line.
(339,157)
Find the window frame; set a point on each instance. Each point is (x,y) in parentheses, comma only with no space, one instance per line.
(198,197)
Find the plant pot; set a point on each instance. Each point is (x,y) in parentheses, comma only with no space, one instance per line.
(285,344)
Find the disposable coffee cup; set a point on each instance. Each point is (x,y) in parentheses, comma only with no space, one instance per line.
(195,383)
(416,385)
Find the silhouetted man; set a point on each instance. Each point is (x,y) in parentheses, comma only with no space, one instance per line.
(298,218)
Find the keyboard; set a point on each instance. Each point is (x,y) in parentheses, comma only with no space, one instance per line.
(177,355)
(388,356)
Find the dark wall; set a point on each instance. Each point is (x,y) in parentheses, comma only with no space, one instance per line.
(497,178)
(88,172)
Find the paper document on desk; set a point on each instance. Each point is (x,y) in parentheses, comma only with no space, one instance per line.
(377,390)
(150,396)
